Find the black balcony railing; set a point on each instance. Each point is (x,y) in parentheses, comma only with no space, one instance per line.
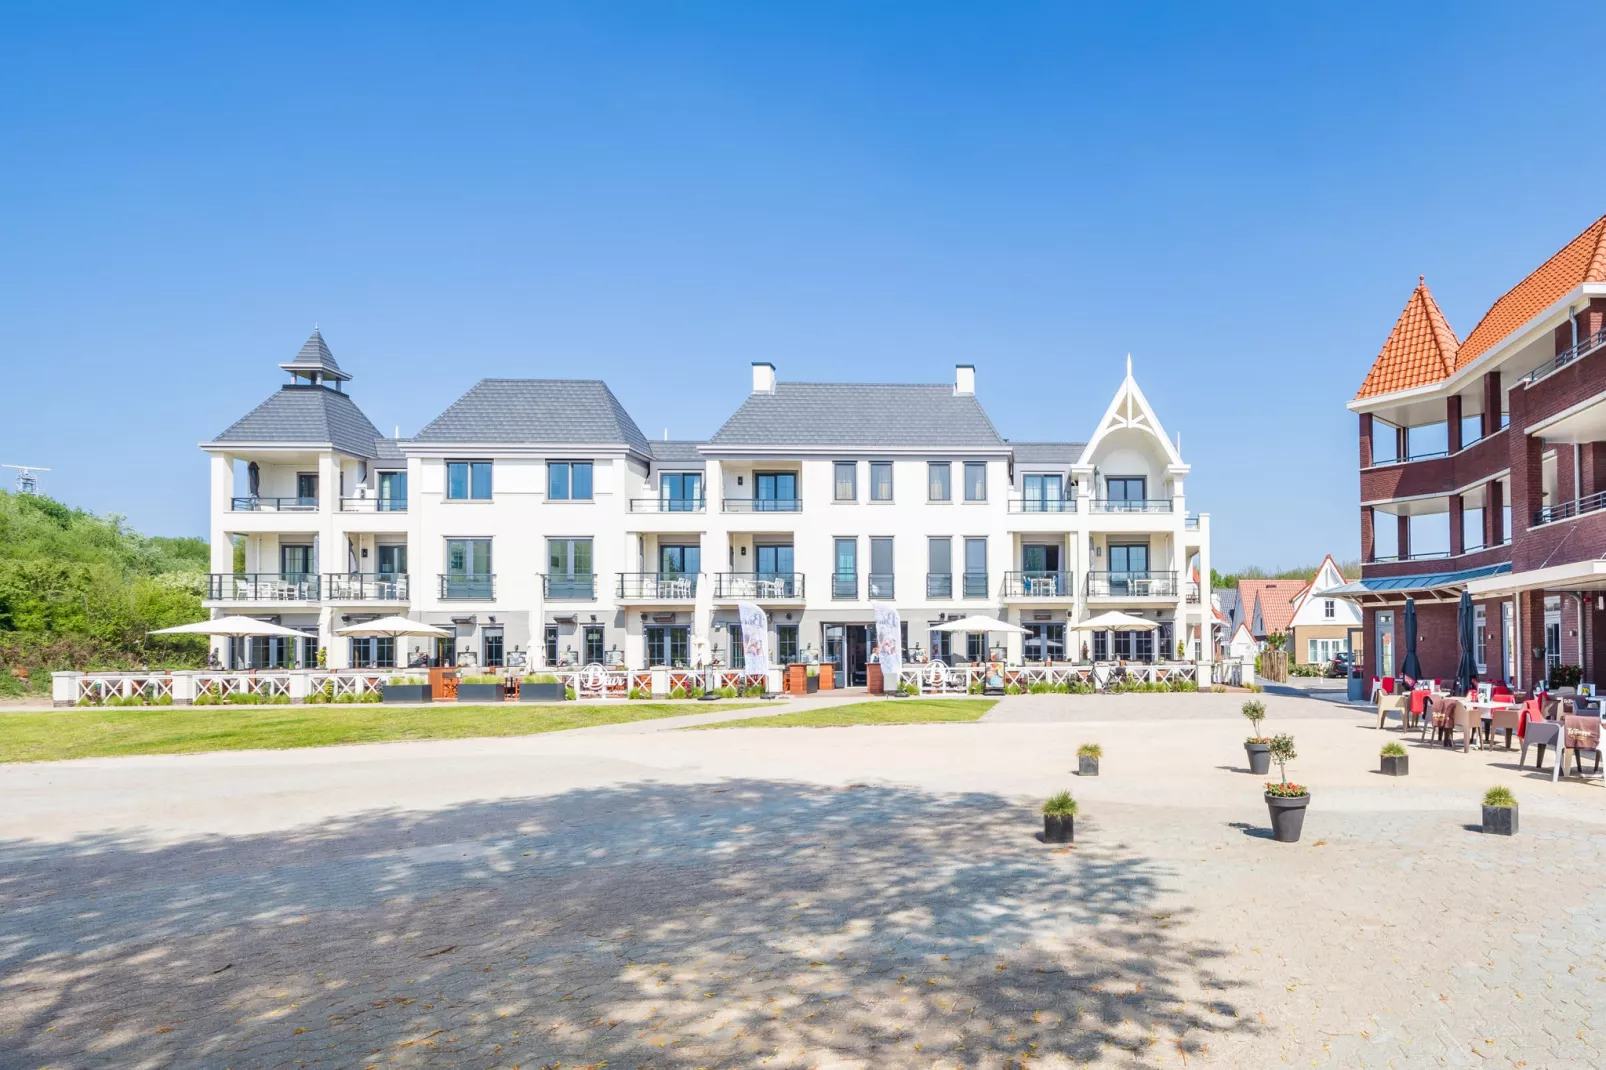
(1138,505)
(263,587)
(1591,503)
(255,504)
(1042,505)
(763,505)
(758,586)
(844,585)
(1037,584)
(974,584)
(658,586)
(668,505)
(373,505)
(1586,345)
(881,585)
(1131,584)
(939,585)
(365,586)
(1191,522)
(461,586)
(562,586)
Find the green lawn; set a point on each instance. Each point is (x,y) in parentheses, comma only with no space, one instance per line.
(876,711)
(91,732)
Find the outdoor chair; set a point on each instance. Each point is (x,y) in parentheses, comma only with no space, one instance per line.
(1387,704)
(1582,733)
(1509,719)
(1535,730)
(1421,699)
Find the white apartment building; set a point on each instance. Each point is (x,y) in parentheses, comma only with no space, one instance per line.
(534,515)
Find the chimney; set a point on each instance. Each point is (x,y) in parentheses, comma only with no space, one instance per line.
(763,377)
(965,379)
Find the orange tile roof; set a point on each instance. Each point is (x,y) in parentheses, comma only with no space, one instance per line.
(1581,260)
(1420,350)
(1276,601)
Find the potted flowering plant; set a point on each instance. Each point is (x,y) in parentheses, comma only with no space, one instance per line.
(1257,746)
(1087,759)
(1395,762)
(1285,799)
(1499,812)
(1059,819)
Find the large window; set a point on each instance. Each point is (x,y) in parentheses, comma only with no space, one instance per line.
(681,492)
(774,562)
(881,481)
(940,567)
(785,644)
(392,492)
(295,561)
(680,560)
(975,568)
(1044,642)
(468,480)
(881,568)
(569,569)
(669,646)
(845,574)
(568,481)
(774,491)
(550,638)
(1042,493)
(939,487)
(975,481)
(847,481)
(468,568)
(594,652)
(306,488)
(1126,488)
(375,653)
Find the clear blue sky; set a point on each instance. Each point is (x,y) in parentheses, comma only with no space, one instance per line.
(1241,197)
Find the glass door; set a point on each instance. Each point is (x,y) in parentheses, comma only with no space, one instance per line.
(1128,563)
(681,492)
(680,560)
(1043,493)
(392,491)
(774,491)
(845,577)
(1385,644)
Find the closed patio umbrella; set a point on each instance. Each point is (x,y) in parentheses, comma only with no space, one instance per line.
(1466,669)
(1410,667)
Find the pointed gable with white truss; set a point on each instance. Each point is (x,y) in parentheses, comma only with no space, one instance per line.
(1130,415)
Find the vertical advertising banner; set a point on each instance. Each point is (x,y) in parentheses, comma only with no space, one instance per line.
(888,644)
(755,638)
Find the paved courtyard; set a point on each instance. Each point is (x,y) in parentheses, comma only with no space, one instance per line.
(853,897)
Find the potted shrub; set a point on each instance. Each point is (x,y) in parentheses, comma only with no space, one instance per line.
(1285,800)
(1499,812)
(1059,819)
(811,680)
(1087,759)
(1395,762)
(481,687)
(542,687)
(1257,746)
(405,689)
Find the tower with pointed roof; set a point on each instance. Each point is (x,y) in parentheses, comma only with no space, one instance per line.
(315,365)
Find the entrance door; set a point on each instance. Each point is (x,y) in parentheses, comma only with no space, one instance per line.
(847,646)
(1385,643)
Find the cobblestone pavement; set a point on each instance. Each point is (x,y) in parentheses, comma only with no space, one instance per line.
(767,920)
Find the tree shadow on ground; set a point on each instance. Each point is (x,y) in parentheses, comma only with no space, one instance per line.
(652,925)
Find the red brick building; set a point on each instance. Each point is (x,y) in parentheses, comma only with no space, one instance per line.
(1483,468)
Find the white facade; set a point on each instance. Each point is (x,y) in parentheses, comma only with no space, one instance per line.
(1039,534)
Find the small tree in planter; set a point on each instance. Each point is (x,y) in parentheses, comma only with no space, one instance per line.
(1499,812)
(1059,819)
(1257,746)
(1286,800)
(1395,762)
(1087,759)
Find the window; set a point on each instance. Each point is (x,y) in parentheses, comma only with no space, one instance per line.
(845,576)
(881,568)
(306,488)
(680,560)
(594,652)
(880,481)
(975,646)
(568,481)
(975,568)
(668,646)
(1480,641)
(491,648)
(1129,563)
(775,562)
(295,562)
(1329,609)
(738,658)
(468,480)
(392,491)
(569,572)
(551,639)
(681,492)
(468,568)
(392,559)
(847,481)
(940,567)
(975,481)
(785,643)
(774,491)
(1126,489)
(938,487)
(1044,642)
(1552,646)
(374,653)
(1042,493)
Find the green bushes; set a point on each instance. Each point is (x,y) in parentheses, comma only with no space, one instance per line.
(727,692)
(637,693)
(480,678)
(695,691)
(540,678)
(677,692)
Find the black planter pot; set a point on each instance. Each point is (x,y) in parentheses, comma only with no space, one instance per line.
(1396,766)
(1500,820)
(480,693)
(1059,829)
(1259,757)
(812,686)
(1287,816)
(1086,766)
(542,692)
(405,692)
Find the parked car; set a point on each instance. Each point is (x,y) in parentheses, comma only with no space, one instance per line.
(1340,667)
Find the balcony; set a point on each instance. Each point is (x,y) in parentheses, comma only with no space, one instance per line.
(373,505)
(763,505)
(1190,522)
(758,586)
(1131,584)
(1192,593)
(974,584)
(881,585)
(562,587)
(844,585)
(1042,505)
(1421,555)
(262,587)
(1585,346)
(669,505)
(657,586)
(1138,505)
(468,587)
(1592,503)
(254,504)
(365,587)
(939,585)
(1038,584)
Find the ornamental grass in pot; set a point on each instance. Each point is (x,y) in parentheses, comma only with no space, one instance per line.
(1087,759)
(406,689)
(542,687)
(480,687)
(1395,762)
(1285,800)
(1257,747)
(1059,819)
(1499,812)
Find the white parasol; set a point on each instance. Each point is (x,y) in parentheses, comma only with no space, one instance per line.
(393,628)
(234,628)
(978,624)
(1115,622)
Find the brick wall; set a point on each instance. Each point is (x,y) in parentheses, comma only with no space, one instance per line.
(1437,475)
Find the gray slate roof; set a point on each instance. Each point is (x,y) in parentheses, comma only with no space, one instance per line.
(307,414)
(1047,452)
(538,411)
(315,357)
(680,453)
(860,415)
(1228,597)
(388,449)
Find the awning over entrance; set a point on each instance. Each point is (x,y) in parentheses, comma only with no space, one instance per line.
(1424,587)
(1574,576)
